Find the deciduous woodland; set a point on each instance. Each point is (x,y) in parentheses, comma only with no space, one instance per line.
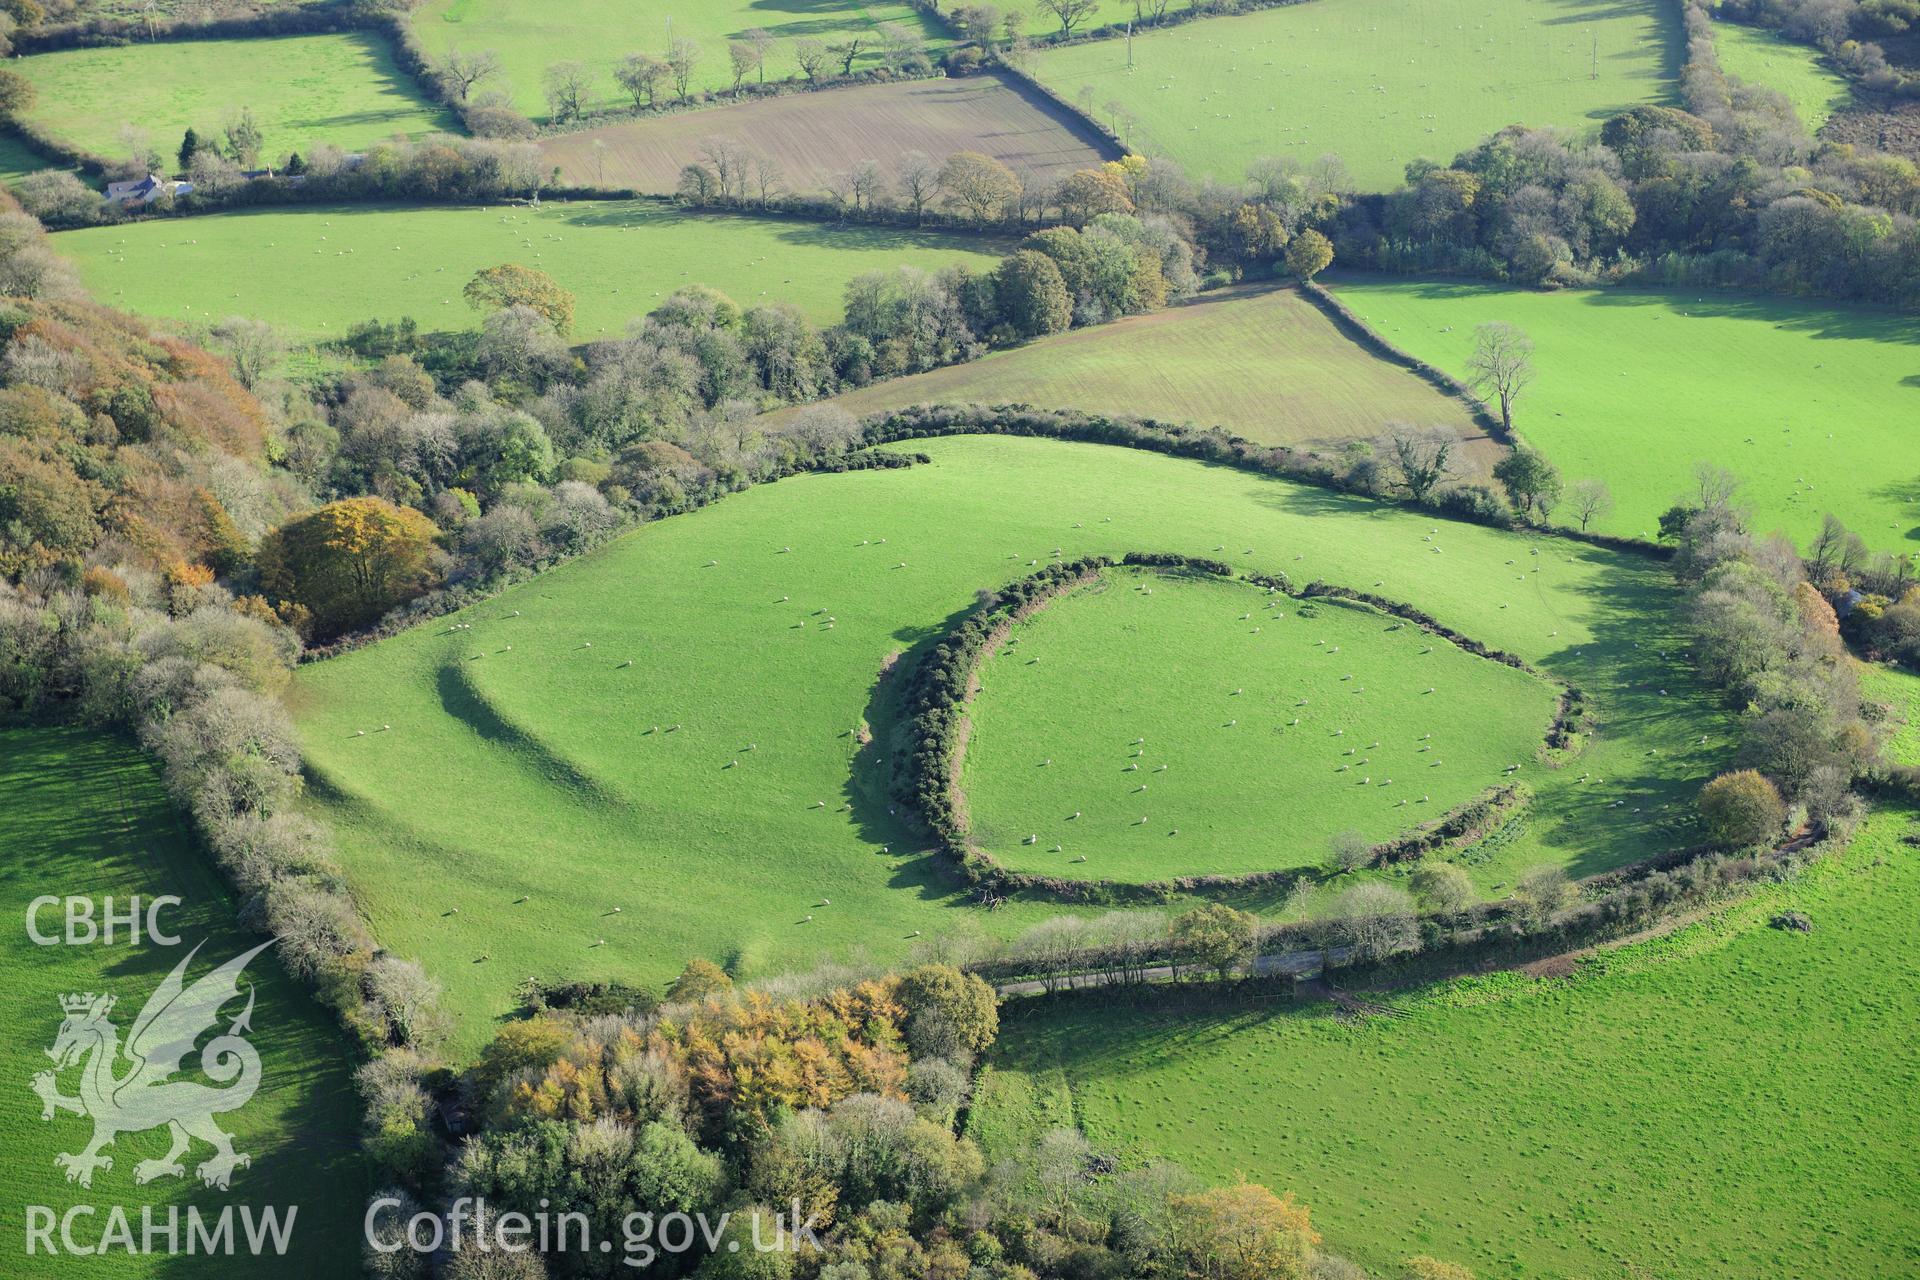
(1054,641)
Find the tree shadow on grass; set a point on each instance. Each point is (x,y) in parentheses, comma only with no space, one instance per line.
(886,826)
(1648,694)
(1114,1036)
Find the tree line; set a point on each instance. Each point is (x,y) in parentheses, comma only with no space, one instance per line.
(841,1105)
(1730,192)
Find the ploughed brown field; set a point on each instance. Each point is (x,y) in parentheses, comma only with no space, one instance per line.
(816,137)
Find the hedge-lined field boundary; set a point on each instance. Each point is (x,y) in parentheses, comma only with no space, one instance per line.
(1472,503)
(945,682)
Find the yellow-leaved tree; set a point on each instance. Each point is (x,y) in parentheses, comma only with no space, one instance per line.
(349,562)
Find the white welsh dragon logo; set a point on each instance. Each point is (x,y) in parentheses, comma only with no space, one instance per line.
(144,1098)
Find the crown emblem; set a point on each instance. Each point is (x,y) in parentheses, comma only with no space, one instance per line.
(86,1003)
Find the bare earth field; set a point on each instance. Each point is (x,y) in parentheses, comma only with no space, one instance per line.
(817,136)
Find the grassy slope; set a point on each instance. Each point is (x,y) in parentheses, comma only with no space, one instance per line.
(1214,693)
(17,160)
(1378,82)
(531,38)
(1764,57)
(1733,1100)
(533,770)
(1262,363)
(302,90)
(817,138)
(1636,387)
(336,265)
(1898,689)
(84,815)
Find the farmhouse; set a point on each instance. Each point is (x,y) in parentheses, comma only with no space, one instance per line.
(145,190)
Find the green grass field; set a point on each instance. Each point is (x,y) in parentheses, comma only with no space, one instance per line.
(529,39)
(1764,57)
(1377,82)
(17,160)
(522,763)
(84,815)
(1260,362)
(341,264)
(1813,406)
(303,90)
(1899,689)
(1259,715)
(1732,1100)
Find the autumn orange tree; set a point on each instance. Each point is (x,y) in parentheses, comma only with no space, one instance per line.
(349,561)
(1244,1232)
(512,285)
